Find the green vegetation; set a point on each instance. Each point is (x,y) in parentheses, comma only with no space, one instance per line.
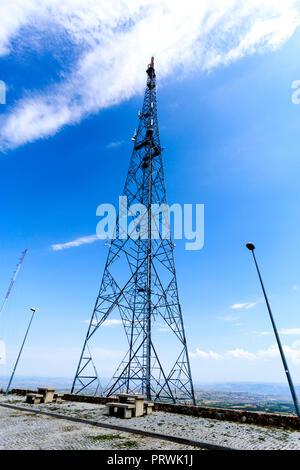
(124,444)
(127,445)
(245,402)
(105,437)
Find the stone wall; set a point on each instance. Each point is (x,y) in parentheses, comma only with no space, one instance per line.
(249,417)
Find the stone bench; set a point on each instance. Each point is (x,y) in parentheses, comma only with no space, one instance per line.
(33,398)
(148,407)
(124,410)
(57,397)
(137,399)
(47,394)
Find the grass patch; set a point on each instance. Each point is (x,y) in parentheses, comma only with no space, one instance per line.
(105,437)
(54,408)
(127,445)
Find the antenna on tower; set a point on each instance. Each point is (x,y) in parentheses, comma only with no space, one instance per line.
(134,135)
(13,280)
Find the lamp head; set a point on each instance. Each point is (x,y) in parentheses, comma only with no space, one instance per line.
(32,309)
(250,246)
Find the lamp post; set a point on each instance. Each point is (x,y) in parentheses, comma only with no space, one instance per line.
(33,310)
(251,247)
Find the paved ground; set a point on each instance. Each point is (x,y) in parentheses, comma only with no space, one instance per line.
(20,430)
(28,431)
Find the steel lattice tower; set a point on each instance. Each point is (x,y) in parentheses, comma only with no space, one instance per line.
(139,280)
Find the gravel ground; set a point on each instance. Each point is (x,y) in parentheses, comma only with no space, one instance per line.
(19,430)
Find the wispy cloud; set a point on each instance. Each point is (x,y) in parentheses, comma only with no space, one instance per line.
(77,242)
(283,331)
(246,305)
(295,288)
(232,317)
(113,40)
(110,322)
(265,333)
(205,355)
(292,352)
(239,354)
(261,333)
(114,144)
(290,331)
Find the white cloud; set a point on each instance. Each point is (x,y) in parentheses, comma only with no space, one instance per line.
(246,305)
(240,354)
(261,333)
(114,41)
(78,242)
(268,353)
(290,331)
(111,322)
(232,317)
(291,352)
(114,144)
(205,355)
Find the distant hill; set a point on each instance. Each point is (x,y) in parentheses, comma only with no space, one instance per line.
(263,388)
(61,383)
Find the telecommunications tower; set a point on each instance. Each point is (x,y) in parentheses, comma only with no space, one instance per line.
(139,281)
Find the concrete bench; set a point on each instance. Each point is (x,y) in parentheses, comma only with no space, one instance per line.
(47,393)
(138,400)
(33,398)
(124,410)
(57,397)
(148,407)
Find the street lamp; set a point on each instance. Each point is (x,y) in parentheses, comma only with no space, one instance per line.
(251,247)
(33,310)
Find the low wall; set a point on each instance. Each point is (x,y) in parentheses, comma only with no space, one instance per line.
(249,417)
(69,396)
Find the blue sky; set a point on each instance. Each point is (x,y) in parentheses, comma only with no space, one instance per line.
(231,138)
